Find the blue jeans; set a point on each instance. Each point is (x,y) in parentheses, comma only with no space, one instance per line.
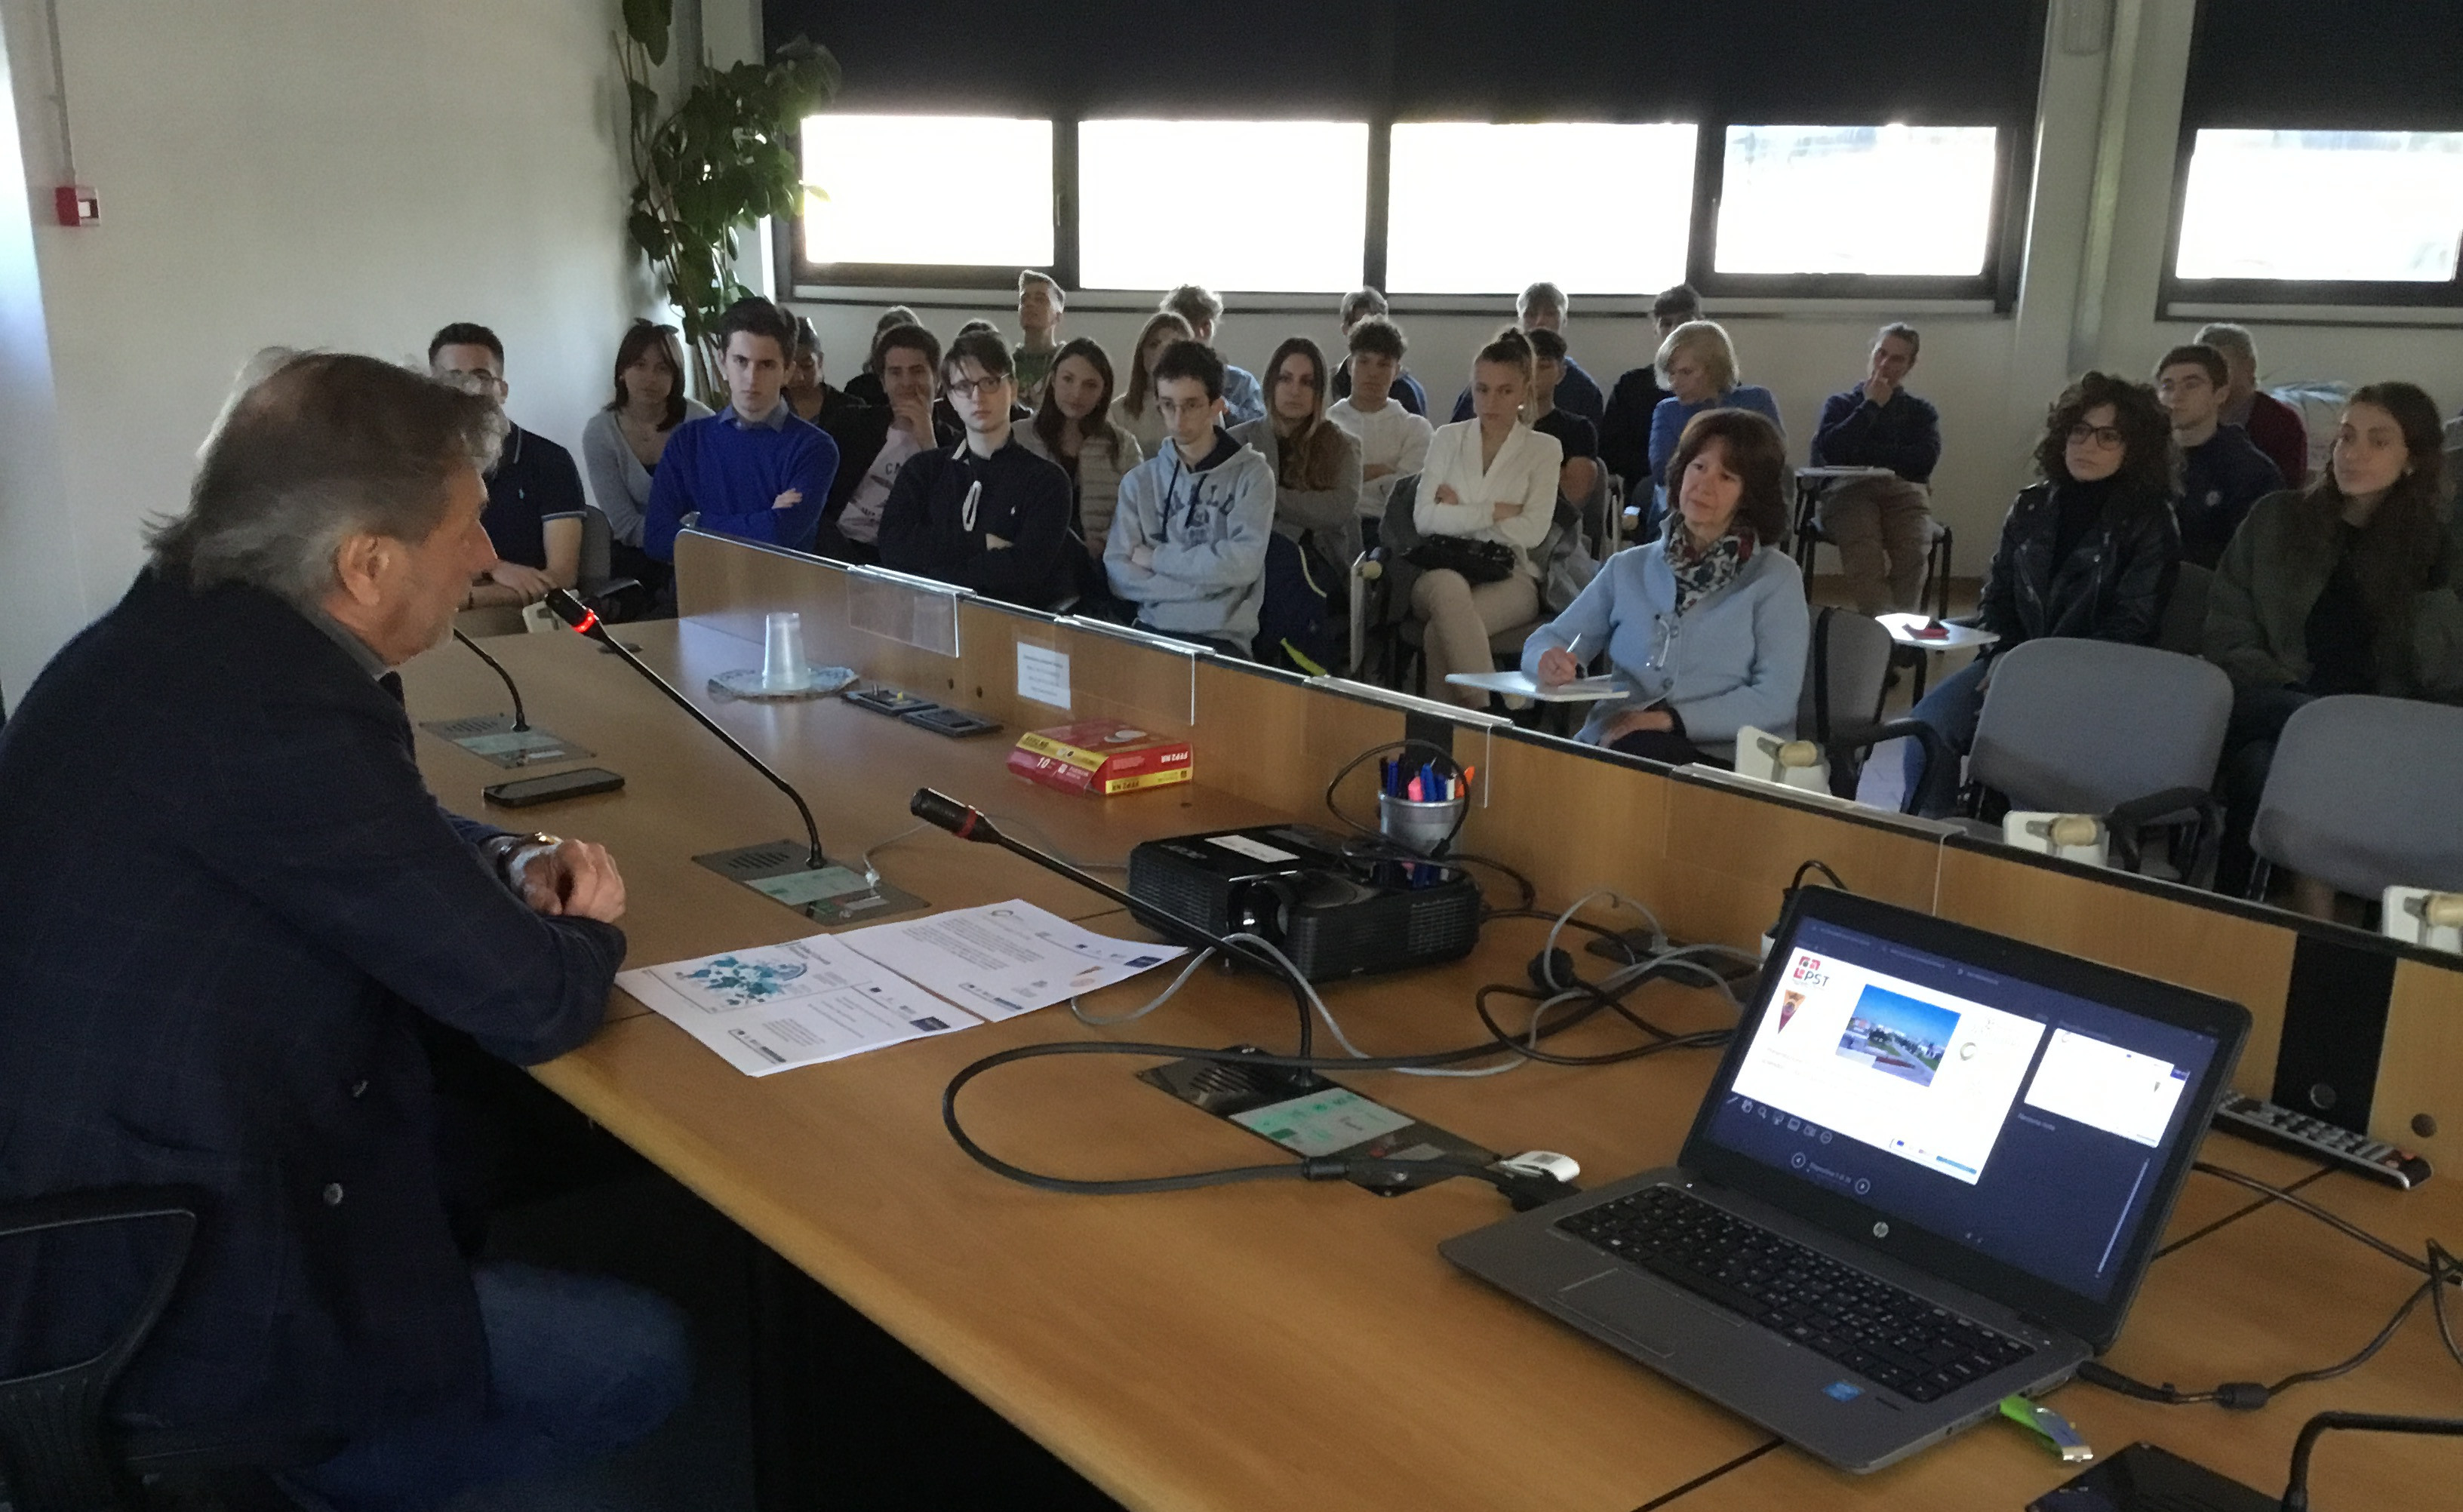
(580,1366)
(1953,708)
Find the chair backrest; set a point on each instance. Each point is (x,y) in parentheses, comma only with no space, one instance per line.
(597,564)
(2185,613)
(2366,793)
(1846,674)
(2083,726)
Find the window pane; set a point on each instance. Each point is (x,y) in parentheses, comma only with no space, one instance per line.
(1259,205)
(1899,200)
(1630,190)
(2379,204)
(891,199)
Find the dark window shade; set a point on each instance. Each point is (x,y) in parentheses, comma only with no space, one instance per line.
(2363,65)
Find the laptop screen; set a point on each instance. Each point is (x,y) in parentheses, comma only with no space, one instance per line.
(2019,1120)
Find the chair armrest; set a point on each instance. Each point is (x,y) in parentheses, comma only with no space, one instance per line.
(1937,755)
(2129,822)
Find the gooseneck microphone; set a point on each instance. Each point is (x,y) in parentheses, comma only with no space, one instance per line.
(521,720)
(2296,1495)
(584,621)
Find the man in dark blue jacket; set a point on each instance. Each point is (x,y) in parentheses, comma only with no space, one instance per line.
(2223,474)
(985,513)
(1882,525)
(227,905)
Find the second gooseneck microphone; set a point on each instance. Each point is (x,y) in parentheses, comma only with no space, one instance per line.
(521,720)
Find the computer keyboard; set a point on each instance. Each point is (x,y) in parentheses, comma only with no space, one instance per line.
(1890,1336)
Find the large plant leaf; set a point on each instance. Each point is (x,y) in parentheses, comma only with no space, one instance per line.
(644,101)
(648,22)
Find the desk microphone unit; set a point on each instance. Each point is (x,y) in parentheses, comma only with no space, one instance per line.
(781,870)
(509,742)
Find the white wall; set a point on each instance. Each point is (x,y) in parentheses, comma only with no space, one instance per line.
(299,172)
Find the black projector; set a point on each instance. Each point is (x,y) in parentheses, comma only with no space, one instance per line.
(1334,913)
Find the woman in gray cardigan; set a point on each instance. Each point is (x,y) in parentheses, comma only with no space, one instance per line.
(1074,429)
(1705,627)
(1316,462)
(620,445)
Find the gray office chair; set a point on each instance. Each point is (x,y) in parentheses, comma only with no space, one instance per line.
(2129,734)
(2364,795)
(595,581)
(2184,615)
(1846,676)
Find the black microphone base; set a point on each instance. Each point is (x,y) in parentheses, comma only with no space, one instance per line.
(493,737)
(781,871)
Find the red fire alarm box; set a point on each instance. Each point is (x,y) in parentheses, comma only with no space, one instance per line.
(77,204)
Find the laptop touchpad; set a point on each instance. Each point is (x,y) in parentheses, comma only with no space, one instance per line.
(1636,1308)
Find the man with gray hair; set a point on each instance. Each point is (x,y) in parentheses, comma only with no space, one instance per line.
(2274,427)
(1543,307)
(232,923)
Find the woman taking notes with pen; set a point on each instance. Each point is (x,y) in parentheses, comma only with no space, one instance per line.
(1706,626)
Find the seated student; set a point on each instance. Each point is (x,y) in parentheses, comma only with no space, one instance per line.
(864,388)
(1316,462)
(1881,526)
(1136,411)
(986,513)
(621,445)
(1365,304)
(1203,309)
(752,470)
(879,440)
(1073,428)
(1697,362)
(814,400)
(2223,474)
(534,499)
(1488,479)
(1707,626)
(1624,427)
(2090,550)
(1578,437)
(1039,303)
(1188,540)
(1393,441)
(1543,307)
(2349,586)
(2274,427)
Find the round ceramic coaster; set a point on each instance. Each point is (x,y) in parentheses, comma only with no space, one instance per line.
(746,683)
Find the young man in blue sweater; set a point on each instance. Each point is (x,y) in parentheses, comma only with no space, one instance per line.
(754,469)
(1188,537)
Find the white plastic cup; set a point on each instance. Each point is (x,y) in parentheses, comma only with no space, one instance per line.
(783,667)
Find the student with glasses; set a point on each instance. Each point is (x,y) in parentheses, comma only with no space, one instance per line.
(2089,551)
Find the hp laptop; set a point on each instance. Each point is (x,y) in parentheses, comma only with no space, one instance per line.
(1929,1172)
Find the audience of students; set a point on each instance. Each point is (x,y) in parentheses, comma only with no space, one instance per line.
(1578,437)
(1624,426)
(1544,306)
(751,470)
(2223,474)
(534,499)
(1706,628)
(1883,526)
(2274,427)
(1243,401)
(1366,304)
(876,441)
(2348,586)
(2090,550)
(1697,366)
(866,386)
(1188,540)
(1137,410)
(813,399)
(1316,462)
(622,444)
(1039,303)
(985,513)
(1490,478)
(1073,428)
(1393,440)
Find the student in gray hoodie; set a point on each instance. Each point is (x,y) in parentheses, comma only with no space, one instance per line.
(1188,537)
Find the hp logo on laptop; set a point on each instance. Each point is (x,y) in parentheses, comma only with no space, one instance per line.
(1880,1231)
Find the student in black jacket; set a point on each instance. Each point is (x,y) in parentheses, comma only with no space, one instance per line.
(2091,551)
(985,513)
(2223,474)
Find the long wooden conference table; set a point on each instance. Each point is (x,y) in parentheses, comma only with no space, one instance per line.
(1283,1344)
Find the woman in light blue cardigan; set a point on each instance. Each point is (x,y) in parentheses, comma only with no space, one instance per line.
(1706,627)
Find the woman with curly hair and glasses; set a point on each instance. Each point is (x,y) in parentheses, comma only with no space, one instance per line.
(2090,550)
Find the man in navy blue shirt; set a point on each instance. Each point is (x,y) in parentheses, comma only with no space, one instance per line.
(2222,472)
(754,469)
(534,500)
(1543,307)
(1882,525)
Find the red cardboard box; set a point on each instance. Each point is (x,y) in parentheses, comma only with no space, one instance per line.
(1100,756)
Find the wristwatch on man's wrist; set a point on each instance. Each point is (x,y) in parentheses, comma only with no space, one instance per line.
(505,849)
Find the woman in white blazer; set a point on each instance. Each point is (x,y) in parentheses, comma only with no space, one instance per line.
(1489,478)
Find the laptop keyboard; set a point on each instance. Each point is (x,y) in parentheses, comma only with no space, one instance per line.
(1886,1334)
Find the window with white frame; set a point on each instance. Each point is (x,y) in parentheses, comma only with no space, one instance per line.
(1619,205)
(2325,206)
(1889,201)
(1254,205)
(888,196)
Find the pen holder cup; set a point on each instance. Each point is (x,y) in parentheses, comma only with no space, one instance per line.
(1423,828)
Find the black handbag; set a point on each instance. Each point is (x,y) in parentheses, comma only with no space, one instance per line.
(1477,561)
